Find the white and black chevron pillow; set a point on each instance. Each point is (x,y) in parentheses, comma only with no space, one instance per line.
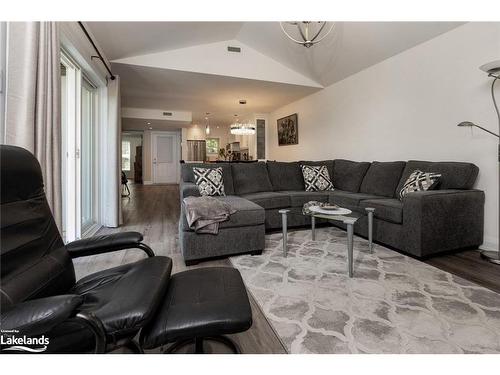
(419,181)
(316,178)
(209,180)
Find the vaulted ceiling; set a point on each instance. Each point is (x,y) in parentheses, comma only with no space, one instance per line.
(186,65)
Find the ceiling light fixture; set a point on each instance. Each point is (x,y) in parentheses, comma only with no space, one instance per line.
(307,33)
(238,128)
(207,123)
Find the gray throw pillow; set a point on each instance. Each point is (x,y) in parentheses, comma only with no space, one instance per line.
(209,181)
(316,178)
(419,181)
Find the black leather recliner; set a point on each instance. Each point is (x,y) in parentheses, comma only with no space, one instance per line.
(39,293)
(40,297)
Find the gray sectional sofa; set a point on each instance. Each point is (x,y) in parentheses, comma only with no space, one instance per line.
(422,224)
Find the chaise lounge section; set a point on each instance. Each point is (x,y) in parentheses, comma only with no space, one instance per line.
(422,224)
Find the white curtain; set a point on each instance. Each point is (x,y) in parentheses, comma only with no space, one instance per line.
(113,156)
(33,110)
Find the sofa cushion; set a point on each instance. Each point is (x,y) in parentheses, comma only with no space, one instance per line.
(269,199)
(328,163)
(419,181)
(250,178)
(348,175)
(285,176)
(316,178)
(247,213)
(209,180)
(454,175)
(382,178)
(187,174)
(299,198)
(349,200)
(389,209)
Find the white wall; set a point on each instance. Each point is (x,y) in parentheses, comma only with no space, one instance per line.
(407,107)
(213,58)
(157,114)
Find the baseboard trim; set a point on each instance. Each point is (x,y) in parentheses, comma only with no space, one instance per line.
(489,244)
(147,182)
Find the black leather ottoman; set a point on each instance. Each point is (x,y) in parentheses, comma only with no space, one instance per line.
(201,304)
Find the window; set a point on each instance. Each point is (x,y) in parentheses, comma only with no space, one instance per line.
(212,145)
(125,155)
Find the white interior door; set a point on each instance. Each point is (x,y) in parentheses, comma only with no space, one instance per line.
(165,158)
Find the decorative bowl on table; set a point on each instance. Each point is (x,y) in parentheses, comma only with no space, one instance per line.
(336,211)
(330,207)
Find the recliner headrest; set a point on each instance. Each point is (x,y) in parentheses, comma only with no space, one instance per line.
(20,174)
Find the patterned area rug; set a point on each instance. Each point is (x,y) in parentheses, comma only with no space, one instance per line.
(394,304)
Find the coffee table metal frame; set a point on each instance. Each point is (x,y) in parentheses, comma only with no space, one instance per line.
(346,219)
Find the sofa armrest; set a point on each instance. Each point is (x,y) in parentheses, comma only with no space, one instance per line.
(189,189)
(38,316)
(440,220)
(107,243)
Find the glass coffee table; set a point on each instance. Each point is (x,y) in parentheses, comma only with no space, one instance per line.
(343,215)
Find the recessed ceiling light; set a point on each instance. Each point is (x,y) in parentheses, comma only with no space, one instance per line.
(149,123)
(150,128)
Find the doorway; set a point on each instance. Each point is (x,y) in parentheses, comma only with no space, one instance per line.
(132,156)
(165,157)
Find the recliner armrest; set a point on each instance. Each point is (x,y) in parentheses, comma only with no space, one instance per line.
(38,316)
(107,243)
(439,220)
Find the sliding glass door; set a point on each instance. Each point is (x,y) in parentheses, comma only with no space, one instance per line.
(70,107)
(87,157)
(79,108)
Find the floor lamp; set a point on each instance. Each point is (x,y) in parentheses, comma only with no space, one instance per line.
(493,70)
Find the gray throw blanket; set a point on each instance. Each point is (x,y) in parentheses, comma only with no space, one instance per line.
(204,214)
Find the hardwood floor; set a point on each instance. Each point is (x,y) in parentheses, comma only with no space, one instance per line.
(154,211)
(469,265)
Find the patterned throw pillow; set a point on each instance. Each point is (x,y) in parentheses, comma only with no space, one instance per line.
(209,181)
(316,178)
(419,181)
